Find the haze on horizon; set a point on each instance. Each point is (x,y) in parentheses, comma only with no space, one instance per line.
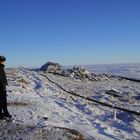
(69,32)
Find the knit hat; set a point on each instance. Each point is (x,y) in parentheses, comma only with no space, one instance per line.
(2,58)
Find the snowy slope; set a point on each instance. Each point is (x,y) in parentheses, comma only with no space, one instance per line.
(39,106)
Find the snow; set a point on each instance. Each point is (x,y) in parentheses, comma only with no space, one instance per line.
(41,110)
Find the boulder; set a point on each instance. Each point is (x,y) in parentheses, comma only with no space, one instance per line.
(82,73)
(51,67)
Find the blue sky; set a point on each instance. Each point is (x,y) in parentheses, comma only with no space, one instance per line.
(33,32)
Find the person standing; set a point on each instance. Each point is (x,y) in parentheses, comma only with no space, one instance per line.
(3,83)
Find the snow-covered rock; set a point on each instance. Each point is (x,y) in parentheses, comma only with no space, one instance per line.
(51,67)
(68,73)
(83,74)
(77,72)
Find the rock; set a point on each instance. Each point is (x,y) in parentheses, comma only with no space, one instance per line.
(82,73)
(77,72)
(68,73)
(103,77)
(51,67)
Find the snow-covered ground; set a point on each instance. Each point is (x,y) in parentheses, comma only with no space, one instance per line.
(41,110)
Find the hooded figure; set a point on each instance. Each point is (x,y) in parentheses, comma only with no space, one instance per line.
(3,82)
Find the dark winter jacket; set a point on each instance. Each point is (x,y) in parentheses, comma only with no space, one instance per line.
(3,80)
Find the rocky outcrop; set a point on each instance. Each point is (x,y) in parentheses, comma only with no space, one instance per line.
(83,74)
(51,67)
(77,72)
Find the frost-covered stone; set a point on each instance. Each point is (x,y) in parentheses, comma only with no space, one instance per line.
(77,72)
(68,73)
(51,67)
(82,73)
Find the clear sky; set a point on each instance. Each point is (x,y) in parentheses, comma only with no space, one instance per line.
(33,32)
